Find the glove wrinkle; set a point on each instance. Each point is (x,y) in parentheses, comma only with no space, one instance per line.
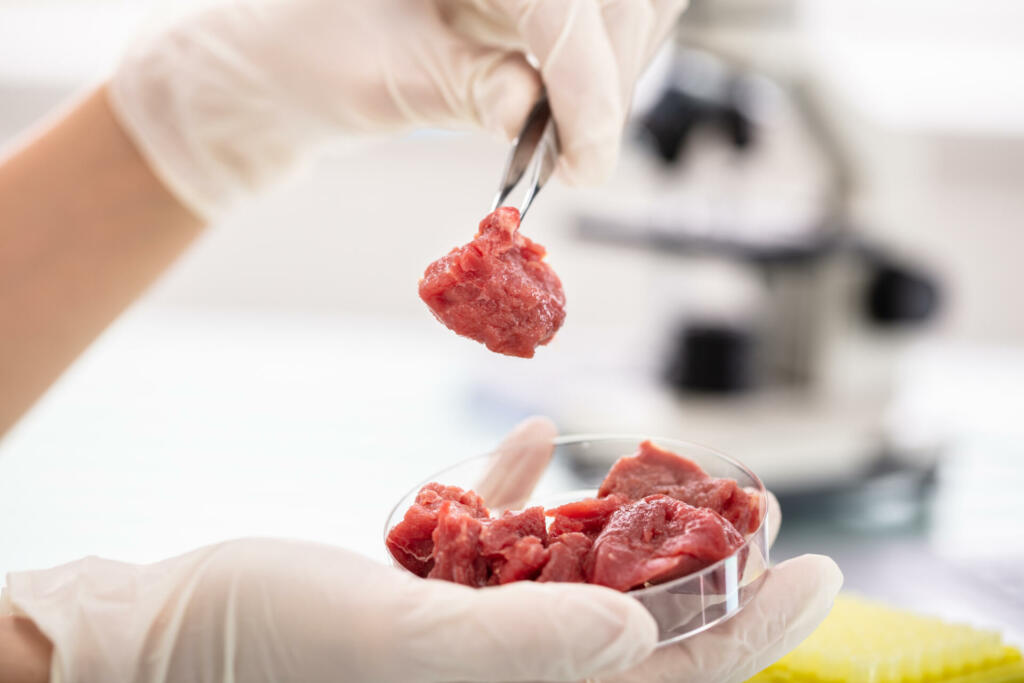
(628,23)
(229,639)
(166,634)
(523,10)
(554,51)
(394,91)
(503,93)
(450,83)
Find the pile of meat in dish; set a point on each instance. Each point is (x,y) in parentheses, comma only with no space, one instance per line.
(656,517)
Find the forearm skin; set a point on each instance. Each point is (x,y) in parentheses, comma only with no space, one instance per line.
(85,227)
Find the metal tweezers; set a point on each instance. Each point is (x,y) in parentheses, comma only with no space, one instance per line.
(536,146)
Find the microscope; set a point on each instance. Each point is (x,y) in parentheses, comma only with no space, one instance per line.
(795,379)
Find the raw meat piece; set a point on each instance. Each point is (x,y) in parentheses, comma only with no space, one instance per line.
(568,554)
(522,561)
(457,547)
(586,516)
(503,532)
(659,538)
(655,470)
(497,289)
(411,540)
(433,494)
(514,545)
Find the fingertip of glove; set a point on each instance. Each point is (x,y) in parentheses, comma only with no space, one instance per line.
(520,461)
(804,588)
(830,575)
(817,573)
(536,428)
(796,598)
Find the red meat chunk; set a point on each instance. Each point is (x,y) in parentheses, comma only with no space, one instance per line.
(514,544)
(653,470)
(522,561)
(512,526)
(497,289)
(411,541)
(656,539)
(567,558)
(433,494)
(586,516)
(457,547)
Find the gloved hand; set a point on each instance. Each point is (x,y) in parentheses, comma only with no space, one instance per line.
(265,610)
(224,102)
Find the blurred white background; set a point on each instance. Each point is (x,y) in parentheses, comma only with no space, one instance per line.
(285,379)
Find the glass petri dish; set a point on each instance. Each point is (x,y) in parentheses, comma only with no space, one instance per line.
(682,607)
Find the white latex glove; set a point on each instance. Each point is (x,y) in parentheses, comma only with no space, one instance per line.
(226,101)
(265,610)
